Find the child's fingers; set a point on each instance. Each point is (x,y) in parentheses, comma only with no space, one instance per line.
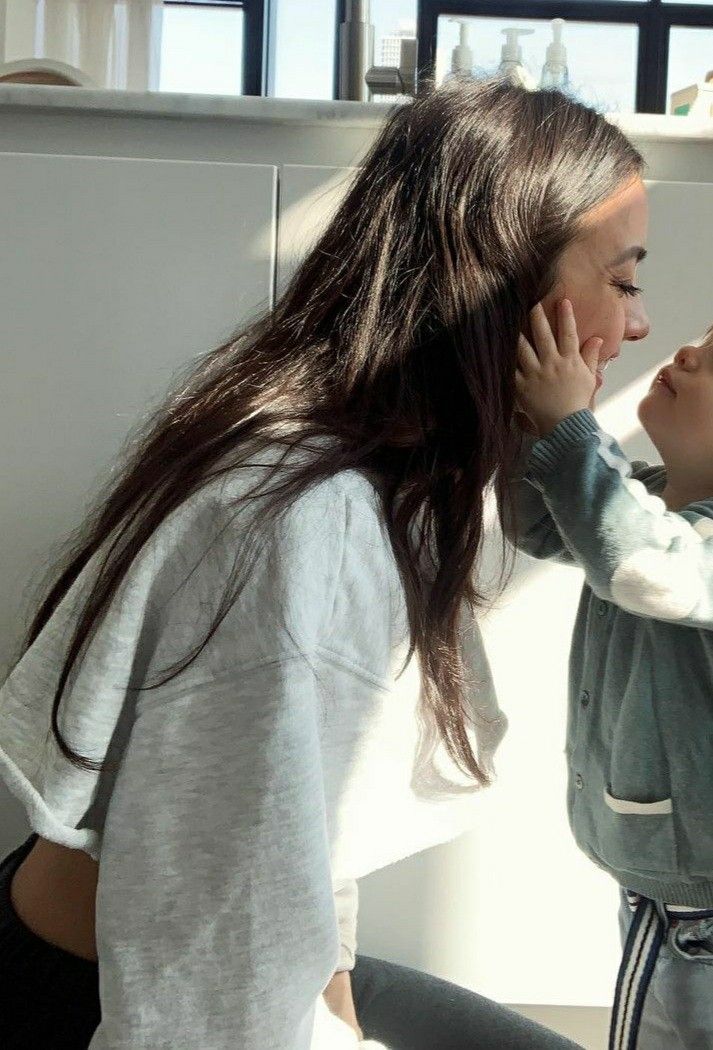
(544,339)
(526,356)
(568,339)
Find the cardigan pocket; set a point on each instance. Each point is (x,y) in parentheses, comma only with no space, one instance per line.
(638,836)
(643,809)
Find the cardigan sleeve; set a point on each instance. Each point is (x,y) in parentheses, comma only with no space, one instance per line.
(636,553)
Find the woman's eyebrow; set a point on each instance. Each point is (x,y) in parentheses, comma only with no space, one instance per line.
(635,252)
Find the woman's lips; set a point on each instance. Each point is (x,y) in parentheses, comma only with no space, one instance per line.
(601,369)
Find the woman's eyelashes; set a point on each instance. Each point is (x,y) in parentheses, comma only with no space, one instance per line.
(627,289)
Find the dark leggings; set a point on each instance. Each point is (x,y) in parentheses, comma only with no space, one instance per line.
(50,998)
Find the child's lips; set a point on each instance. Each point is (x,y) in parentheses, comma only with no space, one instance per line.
(664,380)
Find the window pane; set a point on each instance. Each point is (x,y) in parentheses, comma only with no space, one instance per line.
(392,19)
(609,86)
(304,49)
(202,50)
(690,58)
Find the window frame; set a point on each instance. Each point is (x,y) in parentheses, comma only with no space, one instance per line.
(654,19)
(258,39)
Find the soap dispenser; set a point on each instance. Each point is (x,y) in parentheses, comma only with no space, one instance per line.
(461,55)
(554,71)
(511,62)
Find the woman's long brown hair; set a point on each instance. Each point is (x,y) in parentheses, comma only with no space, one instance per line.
(396,339)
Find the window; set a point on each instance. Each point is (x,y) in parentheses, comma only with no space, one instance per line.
(609,86)
(202,49)
(303,58)
(670,38)
(690,59)
(215,46)
(623,55)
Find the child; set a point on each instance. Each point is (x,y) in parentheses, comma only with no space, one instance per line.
(640,723)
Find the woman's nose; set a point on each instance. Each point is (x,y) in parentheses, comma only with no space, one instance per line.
(637,321)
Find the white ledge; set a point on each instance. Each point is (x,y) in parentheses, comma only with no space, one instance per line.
(284,110)
(169,104)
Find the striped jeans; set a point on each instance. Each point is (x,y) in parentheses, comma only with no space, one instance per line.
(664,991)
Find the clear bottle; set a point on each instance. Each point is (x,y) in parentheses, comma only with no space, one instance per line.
(554,72)
(512,65)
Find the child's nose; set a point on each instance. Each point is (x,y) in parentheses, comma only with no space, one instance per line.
(686,358)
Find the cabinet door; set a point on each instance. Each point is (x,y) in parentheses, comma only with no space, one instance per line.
(116,273)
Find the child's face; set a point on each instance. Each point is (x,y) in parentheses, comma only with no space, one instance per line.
(677,412)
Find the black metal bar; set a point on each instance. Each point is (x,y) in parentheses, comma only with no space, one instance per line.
(575,10)
(656,68)
(340,14)
(427,13)
(254,48)
(696,15)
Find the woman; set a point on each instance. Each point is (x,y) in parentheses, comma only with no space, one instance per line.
(259,675)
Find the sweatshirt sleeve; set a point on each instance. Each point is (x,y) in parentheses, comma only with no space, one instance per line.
(635,553)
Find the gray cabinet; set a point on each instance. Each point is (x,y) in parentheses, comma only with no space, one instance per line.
(115,274)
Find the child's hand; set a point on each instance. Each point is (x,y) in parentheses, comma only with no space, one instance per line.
(557,378)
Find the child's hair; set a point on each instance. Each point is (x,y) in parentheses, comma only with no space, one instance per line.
(397,336)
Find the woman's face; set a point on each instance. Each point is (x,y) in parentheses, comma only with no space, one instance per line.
(598,274)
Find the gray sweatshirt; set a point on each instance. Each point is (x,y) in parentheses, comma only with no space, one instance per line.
(640,726)
(284,763)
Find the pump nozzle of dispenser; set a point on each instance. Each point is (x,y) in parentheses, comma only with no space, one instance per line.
(554,71)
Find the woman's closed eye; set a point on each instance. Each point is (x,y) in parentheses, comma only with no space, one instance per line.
(627,289)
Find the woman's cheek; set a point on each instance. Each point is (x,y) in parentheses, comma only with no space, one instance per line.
(617,330)
(609,325)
